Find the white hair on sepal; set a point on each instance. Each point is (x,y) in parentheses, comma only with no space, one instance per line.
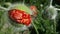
(58,9)
(52,10)
(3,8)
(14,5)
(6,9)
(23,28)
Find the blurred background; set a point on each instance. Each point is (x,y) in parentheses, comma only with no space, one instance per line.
(42,24)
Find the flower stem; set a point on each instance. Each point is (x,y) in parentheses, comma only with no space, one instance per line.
(35,28)
(23,2)
(54,26)
(51,2)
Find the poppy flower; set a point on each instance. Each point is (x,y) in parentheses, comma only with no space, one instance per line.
(20,16)
(34,9)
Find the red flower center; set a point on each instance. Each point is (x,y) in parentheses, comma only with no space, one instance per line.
(20,16)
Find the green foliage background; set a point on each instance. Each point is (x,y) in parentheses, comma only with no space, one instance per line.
(41,25)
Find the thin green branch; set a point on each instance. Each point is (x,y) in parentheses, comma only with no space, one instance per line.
(35,27)
(55,26)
